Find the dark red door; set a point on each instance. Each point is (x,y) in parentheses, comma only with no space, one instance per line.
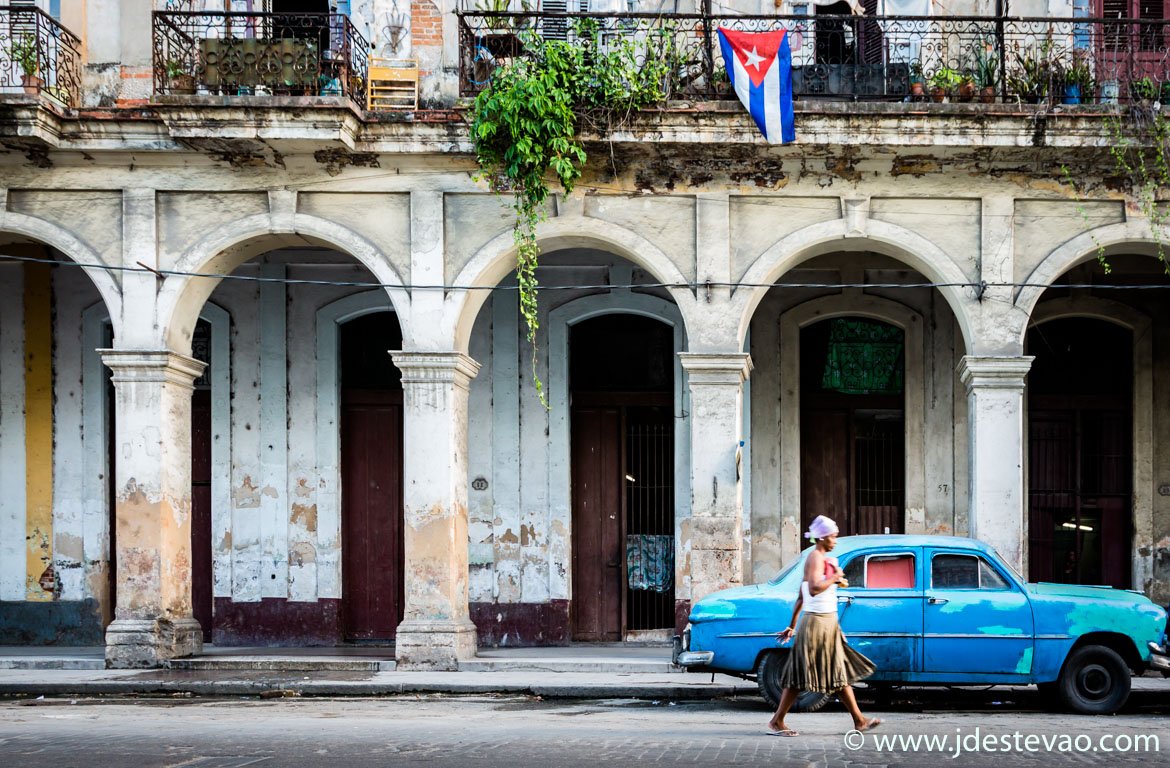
(597,484)
(371,508)
(201,599)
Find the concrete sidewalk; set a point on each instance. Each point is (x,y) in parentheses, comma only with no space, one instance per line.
(575,672)
(593,671)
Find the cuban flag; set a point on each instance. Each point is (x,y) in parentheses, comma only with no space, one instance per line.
(759,65)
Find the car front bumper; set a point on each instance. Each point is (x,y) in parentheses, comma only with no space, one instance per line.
(683,656)
(1159,657)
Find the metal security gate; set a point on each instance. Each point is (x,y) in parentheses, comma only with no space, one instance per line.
(649,482)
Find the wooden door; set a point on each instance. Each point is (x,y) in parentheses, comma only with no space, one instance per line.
(371,508)
(598,572)
(825,472)
(201,597)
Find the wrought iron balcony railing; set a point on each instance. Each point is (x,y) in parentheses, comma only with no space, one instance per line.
(257,54)
(38,55)
(865,58)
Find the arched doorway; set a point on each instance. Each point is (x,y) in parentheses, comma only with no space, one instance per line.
(1080,452)
(852,424)
(622,468)
(371,478)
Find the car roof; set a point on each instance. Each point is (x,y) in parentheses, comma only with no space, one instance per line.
(901,540)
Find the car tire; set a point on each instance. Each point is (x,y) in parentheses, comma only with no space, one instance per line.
(768,680)
(1094,681)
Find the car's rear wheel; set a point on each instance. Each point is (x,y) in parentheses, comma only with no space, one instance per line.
(1094,681)
(768,680)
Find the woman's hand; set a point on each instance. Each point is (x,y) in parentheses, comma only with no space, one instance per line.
(786,635)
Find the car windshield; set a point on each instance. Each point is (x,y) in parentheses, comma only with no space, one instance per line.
(788,568)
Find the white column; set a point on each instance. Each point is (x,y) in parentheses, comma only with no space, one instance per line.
(716,524)
(152,410)
(998,497)
(436,631)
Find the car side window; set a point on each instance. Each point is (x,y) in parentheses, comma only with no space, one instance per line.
(881,572)
(964,572)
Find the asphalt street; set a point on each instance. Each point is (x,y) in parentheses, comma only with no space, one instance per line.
(979,728)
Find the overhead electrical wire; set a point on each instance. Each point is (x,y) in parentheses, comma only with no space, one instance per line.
(691,285)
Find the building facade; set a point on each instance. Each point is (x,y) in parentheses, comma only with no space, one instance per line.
(263,377)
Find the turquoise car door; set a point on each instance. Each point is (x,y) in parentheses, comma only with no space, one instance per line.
(977,621)
(881,609)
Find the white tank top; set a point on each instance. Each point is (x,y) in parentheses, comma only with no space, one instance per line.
(825,602)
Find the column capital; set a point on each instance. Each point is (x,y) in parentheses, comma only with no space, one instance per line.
(730,368)
(1006,372)
(162,366)
(435,367)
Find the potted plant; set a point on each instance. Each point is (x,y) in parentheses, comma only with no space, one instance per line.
(1077,79)
(1033,76)
(1143,90)
(987,76)
(23,52)
(179,80)
(917,80)
(966,87)
(945,81)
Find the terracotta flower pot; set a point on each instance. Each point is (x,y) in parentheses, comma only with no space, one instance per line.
(987,95)
(182,84)
(938,94)
(32,83)
(966,91)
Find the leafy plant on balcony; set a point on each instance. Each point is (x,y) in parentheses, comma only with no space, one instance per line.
(23,52)
(526,127)
(1034,73)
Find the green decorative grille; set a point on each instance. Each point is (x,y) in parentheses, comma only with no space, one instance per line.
(864,358)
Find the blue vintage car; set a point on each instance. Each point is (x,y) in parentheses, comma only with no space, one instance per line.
(941,610)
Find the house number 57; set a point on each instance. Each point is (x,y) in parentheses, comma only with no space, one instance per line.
(943,488)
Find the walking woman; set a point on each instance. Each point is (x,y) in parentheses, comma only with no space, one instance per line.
(820,659)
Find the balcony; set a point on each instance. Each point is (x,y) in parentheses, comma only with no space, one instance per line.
(259,54)
(859,58)
(38,55)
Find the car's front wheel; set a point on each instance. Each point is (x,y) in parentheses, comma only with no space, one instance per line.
(768,680)
(1095,681)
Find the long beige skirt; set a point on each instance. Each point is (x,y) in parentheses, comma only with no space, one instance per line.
(820,659)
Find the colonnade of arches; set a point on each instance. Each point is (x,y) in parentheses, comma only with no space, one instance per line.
(155,370)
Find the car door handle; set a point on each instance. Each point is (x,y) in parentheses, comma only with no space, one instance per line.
(936,600)
(847,599)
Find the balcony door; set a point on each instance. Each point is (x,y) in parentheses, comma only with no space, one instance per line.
(1129,52)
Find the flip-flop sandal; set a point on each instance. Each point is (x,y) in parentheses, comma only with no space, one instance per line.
(786,732)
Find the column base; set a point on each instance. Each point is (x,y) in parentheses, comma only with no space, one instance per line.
(434,645)
(144,643)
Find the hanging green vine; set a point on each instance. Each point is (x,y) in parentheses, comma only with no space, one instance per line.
(526,126)
(1139,146)
(1139,143)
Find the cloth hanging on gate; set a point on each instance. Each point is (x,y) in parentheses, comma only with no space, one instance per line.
(650,562)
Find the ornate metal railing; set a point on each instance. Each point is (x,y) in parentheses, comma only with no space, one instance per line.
(866,58)
(257,54)
(38,55)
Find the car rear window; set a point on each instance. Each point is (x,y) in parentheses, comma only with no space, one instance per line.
(881,572)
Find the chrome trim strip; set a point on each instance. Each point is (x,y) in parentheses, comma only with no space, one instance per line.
(749,634)
(958,636)
(1054,637)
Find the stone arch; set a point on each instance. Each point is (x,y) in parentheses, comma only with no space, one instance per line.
(1141,326)
(844,305)
(74,249)
(560,321)
(497,258)
(329,320)
(1129,237)
(899,243)
(229,246)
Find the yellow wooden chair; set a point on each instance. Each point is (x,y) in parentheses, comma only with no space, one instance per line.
(393,84)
